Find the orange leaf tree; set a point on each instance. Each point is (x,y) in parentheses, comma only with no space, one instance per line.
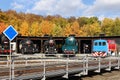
(2,27)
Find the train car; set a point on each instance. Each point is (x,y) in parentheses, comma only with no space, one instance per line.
(112,46)
(4,45)
(50,47)
(27,46)
(103,47)
(70,46)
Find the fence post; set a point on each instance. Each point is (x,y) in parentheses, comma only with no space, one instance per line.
(99,65)
(110,64)
(118,62)
(7,60)
(44,71)
(86,65)
(26,61)
(66,75)
(13,69)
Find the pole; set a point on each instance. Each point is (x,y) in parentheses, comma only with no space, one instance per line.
(10,63)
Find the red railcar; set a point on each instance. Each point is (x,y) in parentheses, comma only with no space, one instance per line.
(112,46)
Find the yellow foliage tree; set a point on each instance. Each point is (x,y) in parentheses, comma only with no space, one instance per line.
(46,27)
(24,29)
(67,30)
(34,30)
(75,28)
(92,29)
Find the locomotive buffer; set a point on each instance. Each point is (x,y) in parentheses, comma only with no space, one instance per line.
(10,33)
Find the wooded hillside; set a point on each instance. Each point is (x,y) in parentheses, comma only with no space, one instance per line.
(37,25)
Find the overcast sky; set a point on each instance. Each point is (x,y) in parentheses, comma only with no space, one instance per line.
(65,8)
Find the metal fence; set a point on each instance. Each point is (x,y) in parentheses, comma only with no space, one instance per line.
(66,65)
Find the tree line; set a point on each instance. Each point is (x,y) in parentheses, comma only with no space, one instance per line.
(28,24)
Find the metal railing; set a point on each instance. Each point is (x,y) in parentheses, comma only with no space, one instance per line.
(66,61)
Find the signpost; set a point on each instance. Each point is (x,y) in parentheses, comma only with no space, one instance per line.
(10,33)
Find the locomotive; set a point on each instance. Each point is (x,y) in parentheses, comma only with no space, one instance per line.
(50,47)
(27,46)
(70,46)
(104,47)
(4,45)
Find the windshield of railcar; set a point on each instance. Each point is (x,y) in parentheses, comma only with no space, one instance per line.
(100,43)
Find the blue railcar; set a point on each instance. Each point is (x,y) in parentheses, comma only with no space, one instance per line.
(70,46)
(100,48)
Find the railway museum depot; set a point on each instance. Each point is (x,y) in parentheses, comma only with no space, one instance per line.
(82,42)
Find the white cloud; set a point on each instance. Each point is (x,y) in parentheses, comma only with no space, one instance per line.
(17,6)
(67,8)
(22,5)
(62,7)
(104,7)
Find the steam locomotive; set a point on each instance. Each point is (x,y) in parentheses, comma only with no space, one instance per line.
(4,45)
(27,46)
(50,47)
(70,46)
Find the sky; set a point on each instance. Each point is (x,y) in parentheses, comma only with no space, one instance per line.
(65,8)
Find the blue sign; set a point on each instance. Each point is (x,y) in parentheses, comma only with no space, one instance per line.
(10,32)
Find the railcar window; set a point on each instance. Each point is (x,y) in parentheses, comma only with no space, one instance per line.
(104,43)
(95,43)
(100,44)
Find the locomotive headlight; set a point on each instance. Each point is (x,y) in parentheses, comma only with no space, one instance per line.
(55,49)
(71,39)
(73,49)
(65,49)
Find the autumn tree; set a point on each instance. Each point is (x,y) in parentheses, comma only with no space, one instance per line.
(82,21)
(35,29)
(75,28)
(107,26)
(57,31)
(67,30)
(71,19)
(60,21)
(115,29)
(46,27)
(24,29)
(2,27)
(3,17)
(92,29)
